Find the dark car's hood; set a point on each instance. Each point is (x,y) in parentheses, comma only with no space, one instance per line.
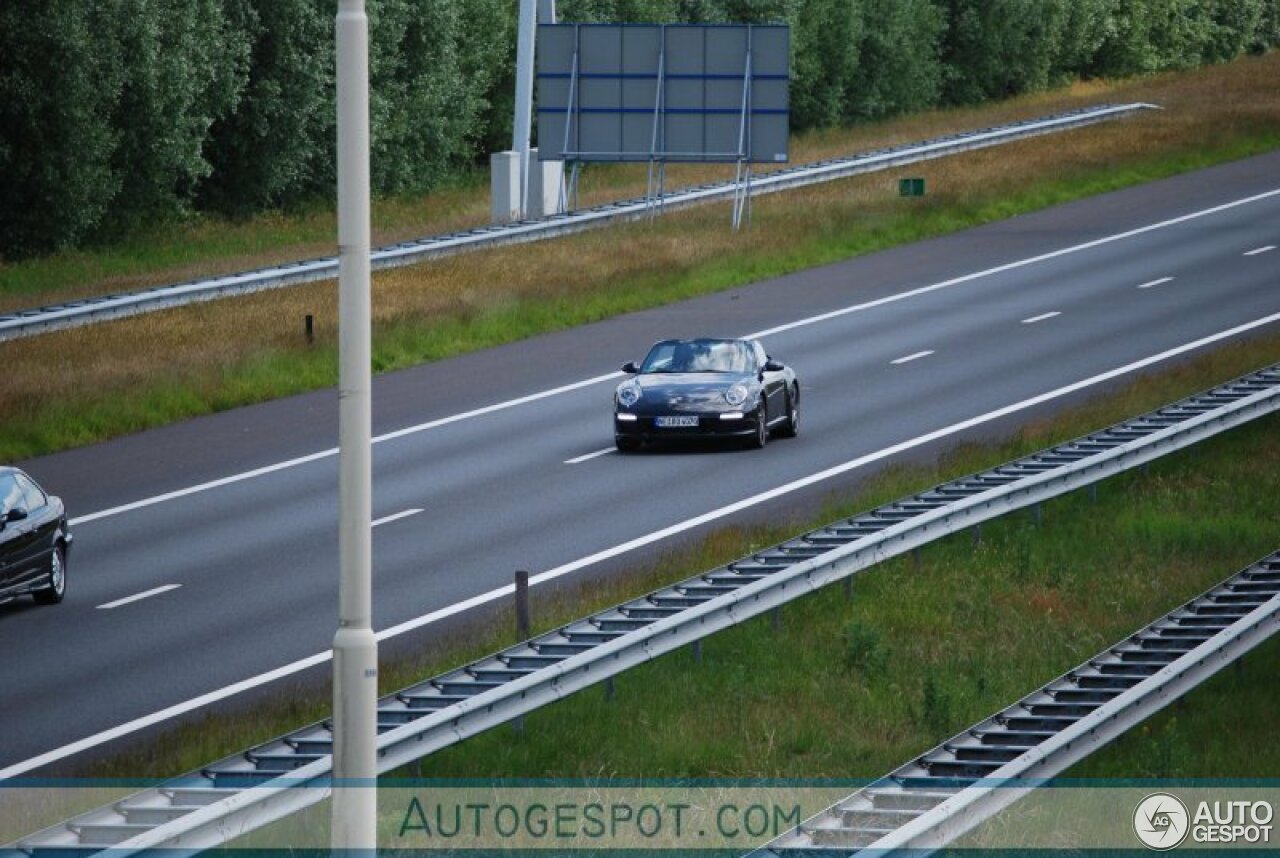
(689,390)
(691,382)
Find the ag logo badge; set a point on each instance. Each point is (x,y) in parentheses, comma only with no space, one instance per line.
(1161,821)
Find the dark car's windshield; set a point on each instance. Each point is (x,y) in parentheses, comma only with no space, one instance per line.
(699,356)
(10,495)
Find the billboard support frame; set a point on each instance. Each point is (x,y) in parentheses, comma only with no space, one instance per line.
(578,65)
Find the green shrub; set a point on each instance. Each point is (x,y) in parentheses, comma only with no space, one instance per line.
(864,650)
(121,112)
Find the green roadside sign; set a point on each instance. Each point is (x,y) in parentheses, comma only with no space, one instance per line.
(913,187)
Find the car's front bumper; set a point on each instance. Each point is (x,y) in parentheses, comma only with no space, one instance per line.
(643,427)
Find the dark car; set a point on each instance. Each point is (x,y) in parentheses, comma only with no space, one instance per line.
(34,540)
(705,388)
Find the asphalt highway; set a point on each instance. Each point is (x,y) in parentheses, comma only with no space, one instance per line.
(205,558)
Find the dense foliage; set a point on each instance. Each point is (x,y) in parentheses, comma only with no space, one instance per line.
(120,112)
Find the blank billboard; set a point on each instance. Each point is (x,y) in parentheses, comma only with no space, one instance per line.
(673,92)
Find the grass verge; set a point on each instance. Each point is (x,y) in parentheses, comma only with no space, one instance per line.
(917,654)
(76,387)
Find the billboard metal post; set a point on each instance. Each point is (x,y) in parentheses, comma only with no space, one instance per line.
(355,650)
(568,199)
(743,196)
(653,195)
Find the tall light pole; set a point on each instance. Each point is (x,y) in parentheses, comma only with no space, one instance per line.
(526,36)
(355,650)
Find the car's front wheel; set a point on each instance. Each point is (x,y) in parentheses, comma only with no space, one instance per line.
(57,588)
(761,436)
(791,428)
(626,445)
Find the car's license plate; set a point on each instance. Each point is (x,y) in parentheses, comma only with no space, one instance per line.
(672,422)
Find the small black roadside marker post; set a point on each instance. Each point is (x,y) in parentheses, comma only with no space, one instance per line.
(522,606)
(522,621)
(310,325)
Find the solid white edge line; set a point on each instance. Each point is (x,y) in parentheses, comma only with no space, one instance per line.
(1010,266)
(395,517)
(1258,250)
(639,542)
(1041,317)
(1150,283)
(138,597)
(810,320)
(162,715)
(589,456)
(333,451)
(910,358)
(202,487)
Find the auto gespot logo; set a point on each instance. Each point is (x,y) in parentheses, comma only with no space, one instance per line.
(1161,821)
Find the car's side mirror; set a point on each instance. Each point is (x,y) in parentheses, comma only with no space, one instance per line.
(15,515)
(772,365)
(630,367)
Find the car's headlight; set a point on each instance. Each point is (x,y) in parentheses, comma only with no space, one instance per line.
(628,394)
(736,395)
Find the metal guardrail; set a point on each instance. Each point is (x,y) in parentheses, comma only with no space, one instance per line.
(248,790)
(74,313)
(940,795)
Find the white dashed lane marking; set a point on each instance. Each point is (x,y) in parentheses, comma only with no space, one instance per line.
(396,517)
(1041,317)
(138,597)
(606,451)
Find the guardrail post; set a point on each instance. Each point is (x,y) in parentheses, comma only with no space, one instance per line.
(1093,492)
(977,535)
(609,691)
(848,586)
(918,556)
(1039,513)
(697,651)
(775,618)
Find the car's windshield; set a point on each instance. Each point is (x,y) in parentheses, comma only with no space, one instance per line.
(699,356)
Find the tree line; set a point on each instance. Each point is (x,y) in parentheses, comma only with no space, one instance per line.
(118,113)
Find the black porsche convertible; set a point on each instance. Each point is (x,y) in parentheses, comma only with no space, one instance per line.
(705,388)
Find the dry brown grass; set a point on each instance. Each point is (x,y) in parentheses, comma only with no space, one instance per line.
(202,351)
